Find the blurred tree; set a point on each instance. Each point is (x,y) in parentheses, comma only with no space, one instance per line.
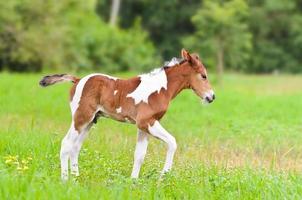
(222,34)
(115,7)
(166,21)
(23,30)
(68,34)
(277,36)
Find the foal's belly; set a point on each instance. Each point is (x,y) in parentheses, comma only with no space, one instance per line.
(118,116)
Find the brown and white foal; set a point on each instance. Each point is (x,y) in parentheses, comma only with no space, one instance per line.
(142,100)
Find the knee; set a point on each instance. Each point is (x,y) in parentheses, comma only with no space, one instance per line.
(172,144)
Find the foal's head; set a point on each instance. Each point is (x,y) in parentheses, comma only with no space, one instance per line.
(197,77)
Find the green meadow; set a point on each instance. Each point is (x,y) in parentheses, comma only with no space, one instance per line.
(247,144)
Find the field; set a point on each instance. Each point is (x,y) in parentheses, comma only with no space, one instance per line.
(246,145)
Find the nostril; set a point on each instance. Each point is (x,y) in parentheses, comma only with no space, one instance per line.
(213,96)
(209,100)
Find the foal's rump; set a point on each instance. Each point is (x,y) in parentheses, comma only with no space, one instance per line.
(85,96)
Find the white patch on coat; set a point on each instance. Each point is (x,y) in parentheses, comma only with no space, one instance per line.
(115,91)
(74,104)
(150,83)
(119,110)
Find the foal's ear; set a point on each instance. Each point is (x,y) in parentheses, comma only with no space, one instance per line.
(185,55)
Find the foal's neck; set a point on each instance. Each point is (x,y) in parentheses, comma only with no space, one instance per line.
(177,81)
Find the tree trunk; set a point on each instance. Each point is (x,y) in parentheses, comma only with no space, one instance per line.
(115,6)
(220,63)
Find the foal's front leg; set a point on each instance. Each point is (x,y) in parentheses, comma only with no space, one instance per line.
(140,152)
(158,131)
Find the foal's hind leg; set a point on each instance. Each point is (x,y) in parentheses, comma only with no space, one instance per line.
(66,147)
(72,142)
(75,150)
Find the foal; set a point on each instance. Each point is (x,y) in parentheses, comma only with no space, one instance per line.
(142,100)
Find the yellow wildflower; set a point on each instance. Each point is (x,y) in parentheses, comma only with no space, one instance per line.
(8,161)
(24,161)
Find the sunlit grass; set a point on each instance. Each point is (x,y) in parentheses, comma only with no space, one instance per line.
(246,145)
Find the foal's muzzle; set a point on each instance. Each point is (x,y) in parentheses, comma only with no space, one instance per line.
(209,96)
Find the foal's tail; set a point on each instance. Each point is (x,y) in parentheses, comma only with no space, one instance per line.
(52,79)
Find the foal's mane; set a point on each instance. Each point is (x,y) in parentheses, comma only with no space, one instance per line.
(174,61)
(167,64)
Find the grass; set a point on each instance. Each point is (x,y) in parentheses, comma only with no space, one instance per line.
(246,145)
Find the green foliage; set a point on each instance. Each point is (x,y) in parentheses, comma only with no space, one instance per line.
(261,36)
(222,27)
(245,145)
(68,34)
(166,21)
(118,49)
(276,27)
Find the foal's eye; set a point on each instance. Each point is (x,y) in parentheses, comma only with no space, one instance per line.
(204,77)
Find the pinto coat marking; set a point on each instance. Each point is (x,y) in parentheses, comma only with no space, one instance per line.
(150,83)
(141,100)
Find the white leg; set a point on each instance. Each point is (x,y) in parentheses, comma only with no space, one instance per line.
(158,131)
(140,152)
(75,150)
(66,147)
